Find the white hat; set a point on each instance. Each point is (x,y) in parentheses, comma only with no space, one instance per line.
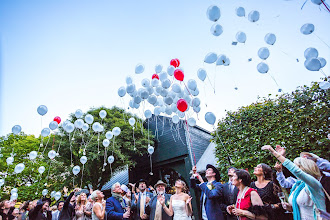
(124,188)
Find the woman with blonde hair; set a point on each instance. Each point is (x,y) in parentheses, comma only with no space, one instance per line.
(180,202)
(306,196)
(80,209)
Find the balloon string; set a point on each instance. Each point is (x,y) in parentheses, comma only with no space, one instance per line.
(191,145)
(98,142)
(325,5)
(216,132)
(148,133)
(303,5)
(82,175)
(150,164)
(322,40)
(110,171)
(46,146)
(113,145)
(50,164)
(323,73)
(274,80)
(210,83)
(134,138)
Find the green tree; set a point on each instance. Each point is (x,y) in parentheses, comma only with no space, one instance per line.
(299,121)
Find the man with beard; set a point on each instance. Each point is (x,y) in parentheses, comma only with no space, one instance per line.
(140,200)
(41,210)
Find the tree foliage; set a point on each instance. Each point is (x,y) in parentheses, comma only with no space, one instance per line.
(58,171)
(299,121)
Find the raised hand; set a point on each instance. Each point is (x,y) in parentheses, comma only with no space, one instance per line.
(266,147)
(280,150)
(161,199)
(126,214)
(278,167)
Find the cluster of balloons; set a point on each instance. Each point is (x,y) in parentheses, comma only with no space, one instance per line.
(166,92)
(14,194)
(313,62)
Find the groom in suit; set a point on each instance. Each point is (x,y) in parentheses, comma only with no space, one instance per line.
(154,209)
(230,194)
(211,193)
(140,200)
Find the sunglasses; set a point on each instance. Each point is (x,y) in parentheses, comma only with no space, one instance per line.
(230,175)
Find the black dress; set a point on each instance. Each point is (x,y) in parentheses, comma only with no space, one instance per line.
(269,196)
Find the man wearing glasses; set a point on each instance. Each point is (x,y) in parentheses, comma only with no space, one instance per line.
(230,194)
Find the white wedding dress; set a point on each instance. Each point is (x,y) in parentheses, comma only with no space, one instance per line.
(179,209)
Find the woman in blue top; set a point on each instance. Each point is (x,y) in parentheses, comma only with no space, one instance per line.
(306,193)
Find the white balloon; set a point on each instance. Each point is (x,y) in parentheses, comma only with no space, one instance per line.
(166,83)
(78,113)
(168,110)
(213,13)
(210,58)
(44,192)
(147,114)
(254,16)
(10,160)
(210,118)
(111,159)
(122,91)
(33,155)
(52,154)
(201,73)
(41,169)
(176,88)
(69,127)
(13,196)
(19,168)
(221,60)
(96,127)
(57,196)
(2,182)
(85,127)
(130,88)
(196,92)
(158,68)
(157,111)
(322,61)
(131,121)
(79,123)
(227,62)
(313,64)
(168,100)
(129,80)
(164,92)
(89,119)
(317,2)
(116,131)
(83,159)
(191,122)
(17,129)
(216,29)
(52,194)
(240,12)
(262,67)
(150,90)
(162,76)
(102,114)
(45,132)
(145,82)
(14,190)
(270,39)
(106,143)
(139,68)
(196,102)
(53,125)
(42,110)
(76,170)
(323,85)
(182,114)
(241,37)
(109,135)
(154,82)
(152,99)
(307,29)
(170,70)
(175,119)
(151,149)
(192,84)
(263,53)
(311,53)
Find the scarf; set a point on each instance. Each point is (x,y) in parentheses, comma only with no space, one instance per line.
(297,187)
(120,199)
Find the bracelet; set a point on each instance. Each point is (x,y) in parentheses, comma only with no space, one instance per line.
(279,155)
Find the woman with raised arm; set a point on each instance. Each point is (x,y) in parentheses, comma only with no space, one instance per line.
(180,202)
(306,194)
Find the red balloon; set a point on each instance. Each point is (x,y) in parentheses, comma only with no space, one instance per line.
(174,62)
(57,119)
(178,74)
(178,61)
(182,105)
(155,76)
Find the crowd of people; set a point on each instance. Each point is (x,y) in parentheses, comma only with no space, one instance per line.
(304,196)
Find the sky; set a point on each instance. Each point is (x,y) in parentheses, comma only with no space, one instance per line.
(71,55)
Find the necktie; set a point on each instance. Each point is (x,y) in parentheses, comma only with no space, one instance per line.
(142,202)
(158,212)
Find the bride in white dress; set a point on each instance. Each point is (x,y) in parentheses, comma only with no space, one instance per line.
(180,203)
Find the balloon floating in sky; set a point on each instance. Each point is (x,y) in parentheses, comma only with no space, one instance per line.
(139,68)
(201,73)
(322,61)
(16,129)
(191,122)
(307,29)
(89,119)
(45,132)
(182,105)
(324,85)
(216,29)
(210,58)
(170,70)
(122,91)
(313,64)
(116,131)
(210,118)
(78,113)
(76,170)
(83,159)
(262,67)
(213,13)
(111,159)
(179,75)
(241,37)
(221,60)
(53,125)
(263,53)
(240,12)
(102,114)
(57,119)
(311,53)
(57,196)
(42,110)
(131,121)
(270,39)
(106,143)
(158,68)
(254,16)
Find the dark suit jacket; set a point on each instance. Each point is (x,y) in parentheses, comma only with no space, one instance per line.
(36,214)
(135,206)
(213,199)
(229,199)
(151,208)
(67,212)
(114,209)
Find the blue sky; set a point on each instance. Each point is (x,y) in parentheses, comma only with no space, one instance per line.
(71,55)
